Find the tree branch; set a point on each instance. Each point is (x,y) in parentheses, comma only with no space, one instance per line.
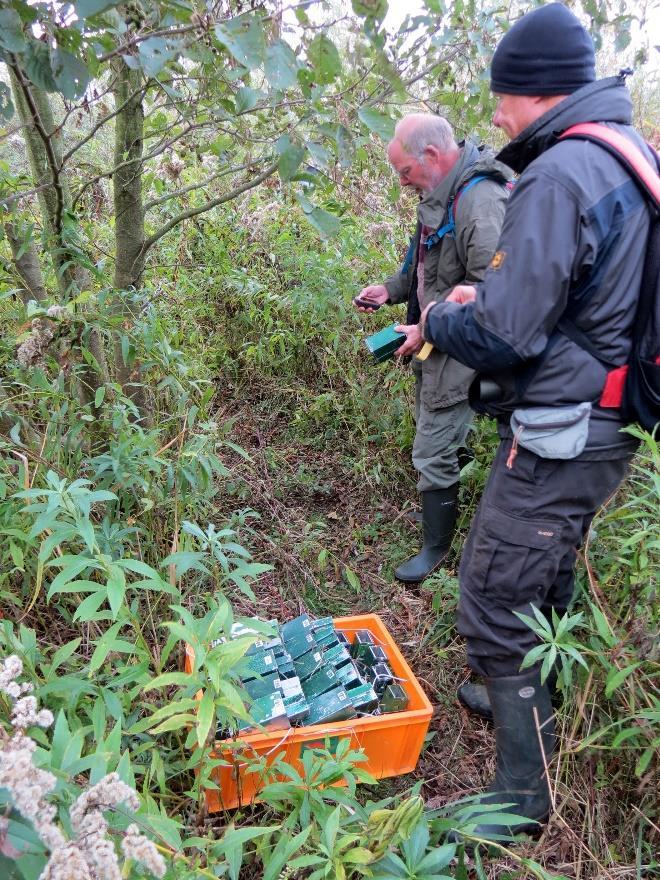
(101,123)
(201,209)
(186,189)
(48,147)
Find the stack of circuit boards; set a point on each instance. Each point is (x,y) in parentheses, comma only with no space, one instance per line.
(310,673)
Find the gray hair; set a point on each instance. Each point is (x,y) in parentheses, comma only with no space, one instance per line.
(417,131)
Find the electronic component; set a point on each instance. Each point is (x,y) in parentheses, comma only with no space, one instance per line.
(331,706)
(394,699)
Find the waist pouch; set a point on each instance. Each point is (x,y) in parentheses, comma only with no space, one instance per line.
(552,432)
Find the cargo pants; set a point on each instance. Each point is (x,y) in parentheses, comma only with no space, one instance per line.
(521,550)
(439,435)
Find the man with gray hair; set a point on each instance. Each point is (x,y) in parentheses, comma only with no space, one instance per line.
(463,193)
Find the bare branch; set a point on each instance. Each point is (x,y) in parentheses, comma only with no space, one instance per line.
(186,189)
(8,200)
(53,166)
(213,203)
(99,125)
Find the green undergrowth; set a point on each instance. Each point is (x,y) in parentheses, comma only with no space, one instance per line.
(275,476)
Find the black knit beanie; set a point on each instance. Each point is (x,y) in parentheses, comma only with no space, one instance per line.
(546,52)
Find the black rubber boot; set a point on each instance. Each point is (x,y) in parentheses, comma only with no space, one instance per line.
(475,696)
(520,778)
(475,699)
(439,509)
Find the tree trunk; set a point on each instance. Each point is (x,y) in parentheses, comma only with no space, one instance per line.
(129,216)
(26,265)
(35,112)
(127,180)
(43,142)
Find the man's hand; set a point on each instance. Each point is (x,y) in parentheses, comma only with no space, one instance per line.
(462,294)
(375,293)
(414,341)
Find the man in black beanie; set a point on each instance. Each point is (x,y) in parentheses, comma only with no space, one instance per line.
(553,315)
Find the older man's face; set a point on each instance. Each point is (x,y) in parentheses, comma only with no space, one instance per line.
(420,174)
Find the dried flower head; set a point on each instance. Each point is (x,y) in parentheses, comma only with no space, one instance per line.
(108,792)
(92,855)
(66,863)
(25,714)
(139,848)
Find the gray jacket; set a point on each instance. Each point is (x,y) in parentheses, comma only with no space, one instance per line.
(572,245)
(456,259)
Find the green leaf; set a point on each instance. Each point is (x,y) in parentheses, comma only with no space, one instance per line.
(246,99)
(139,567)
(71,569)
(87,8)
(71,75)
(284,850)
(352,579)
(62,655)
(281,66)
(205,716)
(231,698)
(376,9)
(89,606)
(437,858)
(116,587)
(167,679)
(345,146)
(11,31)
(176,722)
(184,561)
(330,829)
(244,39)
(327,224)
(548,663)
(322,54)
(154,55)
(37,66)
(290,160)
(103,647)
(644,761)
(377,122)
(616,677)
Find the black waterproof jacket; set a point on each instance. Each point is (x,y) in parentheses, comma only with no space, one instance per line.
(572,245)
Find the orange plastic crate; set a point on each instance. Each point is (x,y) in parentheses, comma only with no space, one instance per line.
(392,743)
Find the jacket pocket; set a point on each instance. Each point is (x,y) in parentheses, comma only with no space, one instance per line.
(513,561)
(444,381)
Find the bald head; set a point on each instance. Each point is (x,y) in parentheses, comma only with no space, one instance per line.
(423,151)
(417,131)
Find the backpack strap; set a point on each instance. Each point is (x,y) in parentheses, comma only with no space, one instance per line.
(648,180)
(630,156)
(449,228)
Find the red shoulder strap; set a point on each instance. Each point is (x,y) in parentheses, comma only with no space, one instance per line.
(630,155)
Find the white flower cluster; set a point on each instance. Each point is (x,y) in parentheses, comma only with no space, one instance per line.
(139,848)
(92,855)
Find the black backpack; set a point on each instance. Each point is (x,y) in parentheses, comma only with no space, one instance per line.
(634,388)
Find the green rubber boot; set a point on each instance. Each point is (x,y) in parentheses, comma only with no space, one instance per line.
(520,779)
(439,510)
(474,697)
